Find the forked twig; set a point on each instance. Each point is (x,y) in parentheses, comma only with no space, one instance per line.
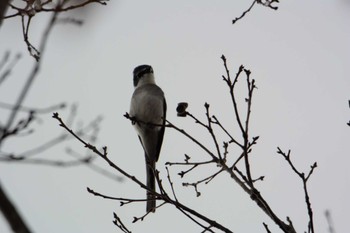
(163,195)
(304,180)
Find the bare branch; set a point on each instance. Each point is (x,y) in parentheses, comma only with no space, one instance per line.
(266,3)
(244,12)
(266,228)
(349,107)
(43,110)
(98,169)
(102,154)
(118,222)
(253,193)
(329,221)
(19,127)
(123,201)
(31,77)
(11,214)
(3,8)
(205,181)
(171,183)
(244,180)
(232,140)
(304,180)
(163,195)
(12,64)
(34,7)
(47,162)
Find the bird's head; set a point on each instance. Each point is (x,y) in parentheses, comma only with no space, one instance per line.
(143,74)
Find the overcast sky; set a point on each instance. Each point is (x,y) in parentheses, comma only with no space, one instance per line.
(299,56)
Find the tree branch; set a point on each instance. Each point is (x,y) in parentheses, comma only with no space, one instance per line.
(163,195)
(11,214)
(304,180)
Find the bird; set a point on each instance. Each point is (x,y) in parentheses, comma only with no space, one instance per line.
(148,111)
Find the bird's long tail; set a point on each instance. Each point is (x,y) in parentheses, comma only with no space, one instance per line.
(151,201)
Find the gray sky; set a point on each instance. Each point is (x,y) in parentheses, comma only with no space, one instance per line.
(299,56)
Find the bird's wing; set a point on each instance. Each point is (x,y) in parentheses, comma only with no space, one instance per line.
(161,131)
(143,146)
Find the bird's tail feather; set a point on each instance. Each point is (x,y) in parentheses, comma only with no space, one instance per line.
(151,201)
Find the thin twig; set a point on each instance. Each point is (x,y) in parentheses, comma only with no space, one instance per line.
(46,162)
(102,154)
(266,228)
(118,222)
(211,131)
(244,12)
(8,71)
(33,74)
(215,159)
(205,180)
(231,86)
(232,140)
(162,196)
(98,169)
(266,3)
(171,183)
(250,86)
(329,221)
(304,180)
(122,200)
(72,7)
(245,183)
(43,110)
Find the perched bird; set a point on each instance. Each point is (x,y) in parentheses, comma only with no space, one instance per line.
(148,111)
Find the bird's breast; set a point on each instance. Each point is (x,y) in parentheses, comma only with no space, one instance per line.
(147,106)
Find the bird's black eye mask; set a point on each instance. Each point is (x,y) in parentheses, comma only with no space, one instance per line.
(140,71)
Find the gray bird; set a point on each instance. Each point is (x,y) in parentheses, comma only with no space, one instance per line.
(148,111)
